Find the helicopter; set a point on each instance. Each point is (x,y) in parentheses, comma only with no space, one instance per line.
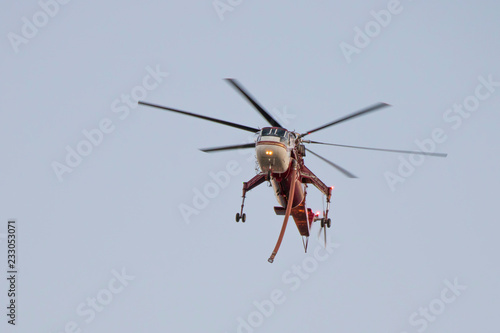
(280,155)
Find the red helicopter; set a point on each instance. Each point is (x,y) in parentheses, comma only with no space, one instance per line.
(280,154)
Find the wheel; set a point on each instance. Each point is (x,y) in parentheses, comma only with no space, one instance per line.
(322,222)
(328,223)
(237,217)
(243,217)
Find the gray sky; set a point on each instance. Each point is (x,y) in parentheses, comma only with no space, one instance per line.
(414,243)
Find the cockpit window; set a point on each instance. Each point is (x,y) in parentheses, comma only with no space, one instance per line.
(282,133)
(273,131)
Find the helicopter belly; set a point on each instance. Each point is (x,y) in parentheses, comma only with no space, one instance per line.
(272,156)
(282,189)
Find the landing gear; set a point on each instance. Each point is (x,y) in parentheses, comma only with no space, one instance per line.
(242,217)
(247,186)
(326,222)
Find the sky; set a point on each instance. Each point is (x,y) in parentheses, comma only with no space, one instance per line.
(122,224)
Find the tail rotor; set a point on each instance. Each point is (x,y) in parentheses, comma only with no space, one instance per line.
(325,222)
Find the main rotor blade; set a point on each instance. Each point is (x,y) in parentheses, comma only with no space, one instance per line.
(379,149)
(223,122)
(351,116)
(252,100)
(210,150)
(344,171)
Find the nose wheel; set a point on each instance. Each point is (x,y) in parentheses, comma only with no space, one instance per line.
(242,217)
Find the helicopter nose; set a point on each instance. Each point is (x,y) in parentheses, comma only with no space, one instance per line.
(272,157)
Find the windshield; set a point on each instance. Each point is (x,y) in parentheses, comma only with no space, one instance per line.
(273,131)
(282,133)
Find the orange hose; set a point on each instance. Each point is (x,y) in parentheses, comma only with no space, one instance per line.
(287,214)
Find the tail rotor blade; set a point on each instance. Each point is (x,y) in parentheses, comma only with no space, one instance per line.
(322,229)
(324,232)
(319,232)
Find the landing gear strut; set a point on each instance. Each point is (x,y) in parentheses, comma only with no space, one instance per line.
(242,216)
(247,186)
